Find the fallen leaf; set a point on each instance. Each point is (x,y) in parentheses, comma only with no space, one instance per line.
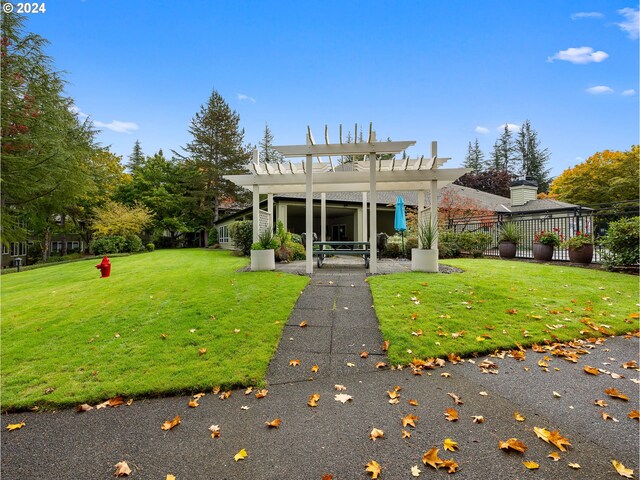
(294,363)
(273,423)
(553,438)
(315,369)
(15,426)
(303,324)
(415,471)
(445,375)
(216,390)
(381,365)
(215,431)
(115,401)
(555,456)
(591,370)
(431,458)
(456,399)
(622,470)
(601,403)
(556,394)
(478,419)
(484,394)
(376,433)
(613,392)
(373,468)
(339,387)
(85,407)
(241,455)
(364,354)
(406,434)
(244,407)
(575,466)
(511,311)
(193,403)
(413,402)
(351,365)
(518,417)
(224,395)
(343,397)
(450,464)
(327,476)
(451,415)
(313,400)
(262,393)
(531,465)
(170,477)
(634,414)
(122,470)
(409,420)
(632,364)
(202,351)
(513,444)
(606,416)
(169,424)
(385,346)
(450,445)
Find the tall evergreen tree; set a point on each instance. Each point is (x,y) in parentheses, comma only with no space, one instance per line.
(136,159)
(503,155)
(532,157)
(267,153)
(474,158)
(215,150)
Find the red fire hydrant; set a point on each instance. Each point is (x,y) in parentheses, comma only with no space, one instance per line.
(104,267)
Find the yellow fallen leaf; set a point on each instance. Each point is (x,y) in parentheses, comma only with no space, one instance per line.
(634,414)
(381,364)
(262,393)
(313,400)
(315,369)
(169,424)
(513,444)
(273,423)
(406,434)
(303,324)
(409,420)
(376,433)
(385,346)
(575,466)
(294,363)
(373,468)
(555,456)
(15,426)
(202,351)
(450,445)
(241,455)
(413,403)
(518,417)
(215,431)
(591,370)
(431,458)
(478,419)
(364,354)
(531,465)
(170,477)
(622,470)
(193,403)
(450,464)
(451,415)
(613,392)
(122,470)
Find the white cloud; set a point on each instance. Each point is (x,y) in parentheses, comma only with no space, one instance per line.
(597,90)
(77,111)
(246,98)
(579,159)
(118,126)
(631,24)
(482,130)
(629,93)
(512,127)
(586,15)
(579,55)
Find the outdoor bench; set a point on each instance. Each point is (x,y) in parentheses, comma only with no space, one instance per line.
(342,248)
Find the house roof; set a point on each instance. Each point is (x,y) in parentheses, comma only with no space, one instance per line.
(543,204)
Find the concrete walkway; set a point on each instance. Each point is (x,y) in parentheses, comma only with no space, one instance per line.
(333,438)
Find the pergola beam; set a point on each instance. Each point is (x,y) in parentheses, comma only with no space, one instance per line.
(344,149)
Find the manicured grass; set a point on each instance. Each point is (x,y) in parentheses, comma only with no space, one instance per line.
(477,302)
(90,338)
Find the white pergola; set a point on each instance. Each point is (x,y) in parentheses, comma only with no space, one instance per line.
(368,176)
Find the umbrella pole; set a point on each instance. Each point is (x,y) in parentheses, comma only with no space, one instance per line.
(403,252)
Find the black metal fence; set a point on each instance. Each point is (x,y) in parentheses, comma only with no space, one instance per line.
(593,219)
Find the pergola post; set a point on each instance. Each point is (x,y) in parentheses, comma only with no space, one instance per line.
(309,213)
(256,212)
(421,197)
(364,217)
(373,217)
(323,217)
(270,208)
(434,196)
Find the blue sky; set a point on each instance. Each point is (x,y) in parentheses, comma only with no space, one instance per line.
(419,70)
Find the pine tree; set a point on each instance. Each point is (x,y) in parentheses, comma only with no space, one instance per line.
(532,157)
(216,150)
(136,159)
(267,153)
(474,158)
(503,155)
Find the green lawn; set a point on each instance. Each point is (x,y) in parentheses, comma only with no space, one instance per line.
(90,338)
(478,300)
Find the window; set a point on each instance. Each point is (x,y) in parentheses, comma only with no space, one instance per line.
(223,234)
(73,246)
(5,249)
(56,246)
(18,249)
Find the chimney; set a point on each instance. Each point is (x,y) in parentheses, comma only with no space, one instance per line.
(523,190)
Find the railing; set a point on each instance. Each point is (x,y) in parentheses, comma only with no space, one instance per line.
(593,219)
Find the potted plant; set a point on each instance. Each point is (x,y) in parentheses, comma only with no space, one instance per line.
(580,248)
(509,237)
(283,238)
(425,258)
(263,252)
(543,244)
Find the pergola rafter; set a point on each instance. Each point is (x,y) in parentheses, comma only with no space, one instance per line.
(367,176)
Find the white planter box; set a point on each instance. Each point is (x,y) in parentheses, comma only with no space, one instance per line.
(424,260)
(263,260)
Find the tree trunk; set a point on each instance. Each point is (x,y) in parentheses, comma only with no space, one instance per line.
(63,238)
(47,243)
(216,208)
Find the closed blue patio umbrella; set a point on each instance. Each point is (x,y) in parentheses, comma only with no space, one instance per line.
(400,220)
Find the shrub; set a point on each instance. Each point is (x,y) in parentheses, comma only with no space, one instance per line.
(448,244)
(150,247)
(622,243)
(295,238)
(241,234)
(474,243)
(213,236)
(108,244)
(393,250)
(133,244)
(411,242)
(297,251)
(266,241)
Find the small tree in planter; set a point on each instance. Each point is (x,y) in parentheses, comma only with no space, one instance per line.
(509,237)
(580,248)
(425,258)
(263,252)
(543,244)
